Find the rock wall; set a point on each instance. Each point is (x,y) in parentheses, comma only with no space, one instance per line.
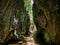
(46,18)
(8,9)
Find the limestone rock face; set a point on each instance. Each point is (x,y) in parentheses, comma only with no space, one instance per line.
(46,16)
(9,11)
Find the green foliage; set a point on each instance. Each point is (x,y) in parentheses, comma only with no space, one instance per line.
(28,5)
